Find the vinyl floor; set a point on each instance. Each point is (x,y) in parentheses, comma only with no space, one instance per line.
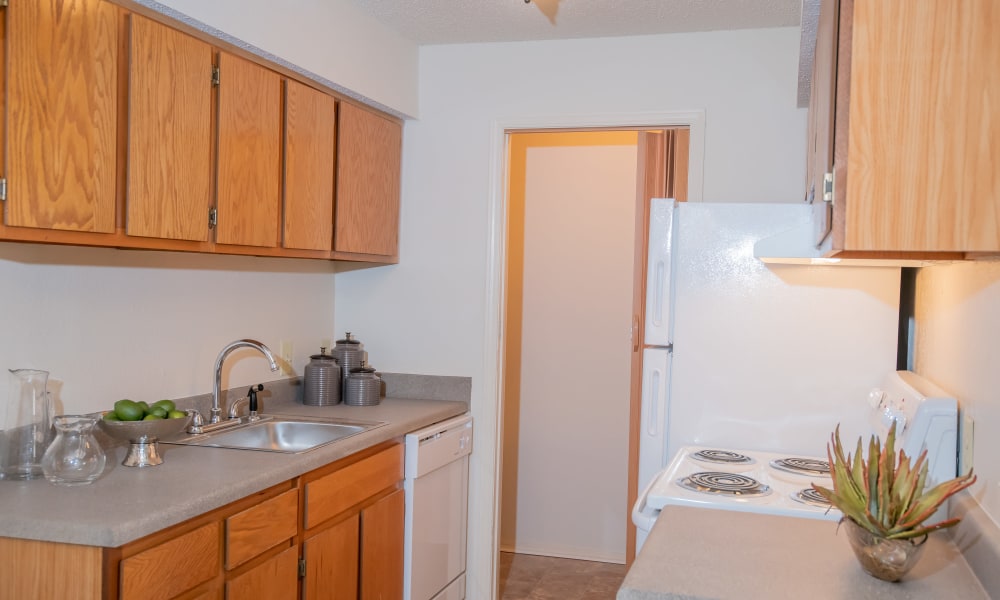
(527,577)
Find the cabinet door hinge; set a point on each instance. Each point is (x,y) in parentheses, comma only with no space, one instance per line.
(3,182)
(4,3)
(302,567)
(215,73)
(213,218)
(828,187)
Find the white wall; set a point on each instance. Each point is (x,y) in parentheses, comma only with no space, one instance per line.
(575,352)
(111,324)
(428,313)
(957,333)
(331,38)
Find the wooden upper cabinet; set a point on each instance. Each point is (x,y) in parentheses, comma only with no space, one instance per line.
(310,144)
(169,133)
(62,60)
(917,127)
(249,175)
(368,178)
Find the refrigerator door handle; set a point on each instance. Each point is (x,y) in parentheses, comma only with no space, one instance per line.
(651,402)
(658,269)
(658,272)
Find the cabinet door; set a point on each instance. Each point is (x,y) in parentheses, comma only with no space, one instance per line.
(61,110)
(275,579)
(332,563)
(822,104)
(368,171)
(310,138)
(249,153)
(382,548)
(169,133)
(924,127)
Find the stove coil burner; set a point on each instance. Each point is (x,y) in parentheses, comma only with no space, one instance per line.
(722,457)
(811,497)
(803,466)
(726,484)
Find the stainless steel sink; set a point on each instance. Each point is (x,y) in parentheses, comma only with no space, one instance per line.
(278,433)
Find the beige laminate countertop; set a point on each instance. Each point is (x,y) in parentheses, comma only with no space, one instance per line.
(698,553)
(128,503)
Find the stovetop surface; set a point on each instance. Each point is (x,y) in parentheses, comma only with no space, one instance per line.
(669,488)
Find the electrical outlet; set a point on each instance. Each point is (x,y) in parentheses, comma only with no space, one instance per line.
(287,355)
(966,444)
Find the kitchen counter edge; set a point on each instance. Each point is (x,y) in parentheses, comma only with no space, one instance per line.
(127,504)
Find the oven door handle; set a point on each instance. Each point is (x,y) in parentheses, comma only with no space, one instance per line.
(642,516)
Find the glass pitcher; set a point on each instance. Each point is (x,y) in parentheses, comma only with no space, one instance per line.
(26,431)
(74,457)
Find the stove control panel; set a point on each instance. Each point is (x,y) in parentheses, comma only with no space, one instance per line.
(926,419)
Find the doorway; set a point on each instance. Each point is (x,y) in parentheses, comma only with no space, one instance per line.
(577,208)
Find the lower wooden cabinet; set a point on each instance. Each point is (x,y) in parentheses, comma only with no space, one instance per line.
(382,548)
(263,546)
(332,562)
(275,579)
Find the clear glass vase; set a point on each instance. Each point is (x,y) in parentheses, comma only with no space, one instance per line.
(885,559)
(74,457)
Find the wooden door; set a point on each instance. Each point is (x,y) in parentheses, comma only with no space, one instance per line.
(275,579)
(332,562)
(249,175)
(663,162)
(382,548)
(310,146)
(368,172)
(169,133)
(61,115)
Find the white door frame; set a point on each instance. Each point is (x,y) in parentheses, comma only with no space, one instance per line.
(484,493)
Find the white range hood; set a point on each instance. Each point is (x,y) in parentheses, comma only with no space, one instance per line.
(797,246)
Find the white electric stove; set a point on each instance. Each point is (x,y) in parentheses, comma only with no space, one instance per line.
(781,484)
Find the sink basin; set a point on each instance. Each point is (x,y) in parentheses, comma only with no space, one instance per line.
(276,433)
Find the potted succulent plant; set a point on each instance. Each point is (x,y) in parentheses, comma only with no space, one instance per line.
(885,503)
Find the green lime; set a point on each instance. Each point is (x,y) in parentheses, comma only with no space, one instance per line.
(168,405)
(145,407)
(159,411)
(127,410)
(111,416)
(176,414)
(152,418)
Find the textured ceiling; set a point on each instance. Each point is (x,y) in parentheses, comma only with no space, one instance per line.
(459,21)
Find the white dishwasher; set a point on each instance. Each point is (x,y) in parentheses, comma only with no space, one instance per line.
(437,490)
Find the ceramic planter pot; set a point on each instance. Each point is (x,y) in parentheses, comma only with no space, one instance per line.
(885,559)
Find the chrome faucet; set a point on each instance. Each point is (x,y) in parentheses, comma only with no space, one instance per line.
(217,389)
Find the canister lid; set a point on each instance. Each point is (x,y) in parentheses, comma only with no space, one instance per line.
(323,355)
(348,339)
(363,369)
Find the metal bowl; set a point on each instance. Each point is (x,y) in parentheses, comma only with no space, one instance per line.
(142,436)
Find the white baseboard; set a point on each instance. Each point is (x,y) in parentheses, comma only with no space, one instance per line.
(573,553)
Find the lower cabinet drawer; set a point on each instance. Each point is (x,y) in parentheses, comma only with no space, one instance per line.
(332,494)
(260,527)
(165,571)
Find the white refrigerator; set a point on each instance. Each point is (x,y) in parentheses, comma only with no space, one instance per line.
(740,354)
